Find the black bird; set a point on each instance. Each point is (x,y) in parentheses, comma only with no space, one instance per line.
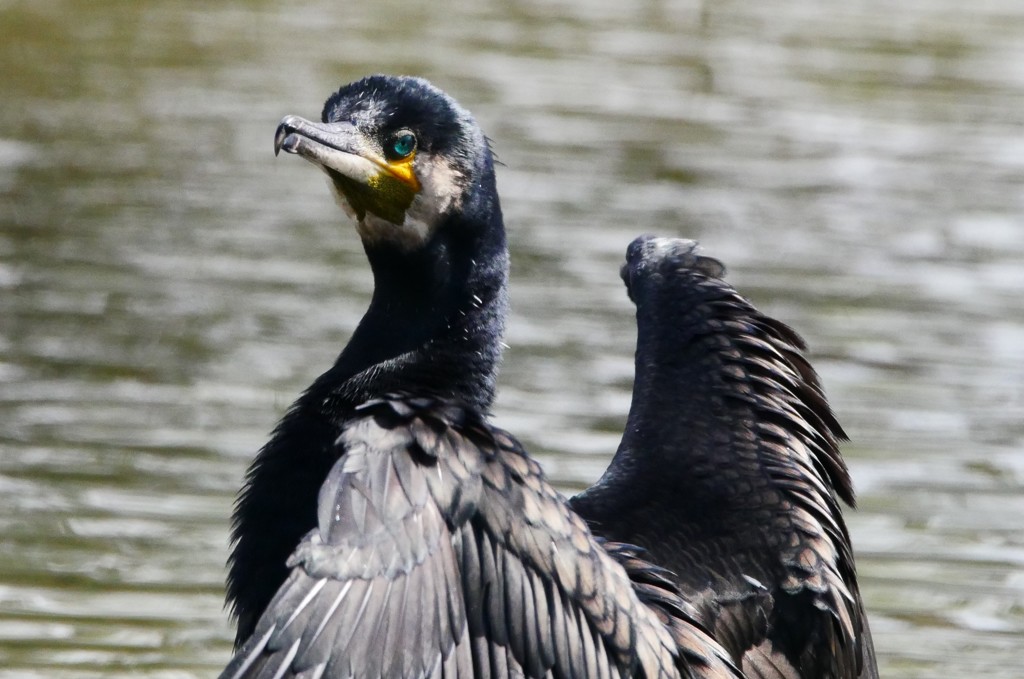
(387,530)
(729,473)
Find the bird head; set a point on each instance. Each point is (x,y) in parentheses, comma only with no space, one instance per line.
(400,155)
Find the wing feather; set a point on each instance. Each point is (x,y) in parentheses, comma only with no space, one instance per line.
(442,551)
(735,450)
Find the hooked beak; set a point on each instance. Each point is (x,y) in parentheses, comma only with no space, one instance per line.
(360,173)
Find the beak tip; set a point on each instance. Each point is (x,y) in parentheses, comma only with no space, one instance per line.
(279,137)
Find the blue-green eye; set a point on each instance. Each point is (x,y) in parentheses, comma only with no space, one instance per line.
(401,145)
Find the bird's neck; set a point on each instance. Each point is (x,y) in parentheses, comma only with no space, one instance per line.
(433,327)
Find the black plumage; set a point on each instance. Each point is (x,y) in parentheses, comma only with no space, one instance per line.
(387,530)
(441,551)
(434,322)
(729,473)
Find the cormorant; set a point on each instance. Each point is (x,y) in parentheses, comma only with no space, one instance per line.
(729,473)
(387,530)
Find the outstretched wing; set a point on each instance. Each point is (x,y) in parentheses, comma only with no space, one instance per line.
(442,551)
(729,472)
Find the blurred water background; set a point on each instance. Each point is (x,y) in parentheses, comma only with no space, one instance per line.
(167,287)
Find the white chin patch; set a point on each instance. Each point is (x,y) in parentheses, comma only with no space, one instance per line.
(440,192)
(409,235)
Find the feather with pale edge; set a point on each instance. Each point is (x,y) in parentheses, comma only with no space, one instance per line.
(442,551)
